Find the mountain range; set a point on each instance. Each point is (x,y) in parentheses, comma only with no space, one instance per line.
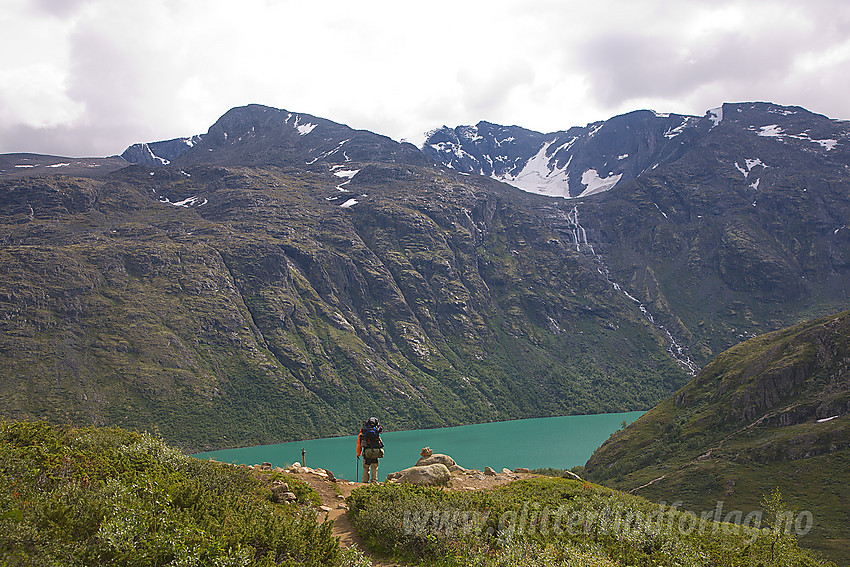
(282,275)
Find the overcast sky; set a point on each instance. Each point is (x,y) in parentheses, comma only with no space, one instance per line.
(90,77)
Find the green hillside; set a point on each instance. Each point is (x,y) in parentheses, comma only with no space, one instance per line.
(769,413)
(94,496)
(107,496)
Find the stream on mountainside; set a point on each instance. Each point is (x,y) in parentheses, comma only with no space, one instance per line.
(557,442)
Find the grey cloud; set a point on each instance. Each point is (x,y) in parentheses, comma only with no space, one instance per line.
(60,8)
(483,95)
(623,68)
(69,141)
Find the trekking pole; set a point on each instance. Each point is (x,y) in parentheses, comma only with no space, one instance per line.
(357,470)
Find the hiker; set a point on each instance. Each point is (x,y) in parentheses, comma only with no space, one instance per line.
(370,444)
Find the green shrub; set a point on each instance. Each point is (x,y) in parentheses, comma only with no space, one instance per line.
(556,522)
(105,496)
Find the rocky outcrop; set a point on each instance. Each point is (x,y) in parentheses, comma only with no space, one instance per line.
(436,458)
(425,475)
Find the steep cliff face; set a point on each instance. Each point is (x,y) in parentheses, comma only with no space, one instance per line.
(239,305)
(772,411)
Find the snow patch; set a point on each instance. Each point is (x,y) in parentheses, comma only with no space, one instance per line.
(346,173)
(595,184)
(624,156)
(715,115)
(771,131)
(781,111)
(755,184)
(349,203)
(827,419)
(533,179)
(673,132)
(304,129)
(186,203)
(751,163)
(827,144)
(59,165)
(329,152)
(26,165)
(471,133)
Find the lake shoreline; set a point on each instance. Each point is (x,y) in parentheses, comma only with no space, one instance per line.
(542,442)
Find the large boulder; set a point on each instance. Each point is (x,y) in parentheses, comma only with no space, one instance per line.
(427,475)
(434,459)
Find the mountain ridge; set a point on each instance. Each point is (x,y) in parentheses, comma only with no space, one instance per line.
(277,274)
(586,160)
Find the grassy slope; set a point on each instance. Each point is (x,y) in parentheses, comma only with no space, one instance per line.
(98,496)
(747,424)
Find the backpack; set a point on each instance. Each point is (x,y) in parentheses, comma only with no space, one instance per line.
(373,447)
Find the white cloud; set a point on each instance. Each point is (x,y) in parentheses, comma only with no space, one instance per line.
(92,76)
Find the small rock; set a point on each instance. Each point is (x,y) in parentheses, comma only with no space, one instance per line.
(522,470)
(266,466)
(325,508)
(278,469)
(571,474)
(507,471)
(283,496)
(489,471)
(341,506)
(426,452)
(331,476)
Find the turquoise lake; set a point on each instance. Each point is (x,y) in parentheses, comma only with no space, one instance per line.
(557,442)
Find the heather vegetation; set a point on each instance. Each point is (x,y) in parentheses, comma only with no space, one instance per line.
(559,522)
(106,496)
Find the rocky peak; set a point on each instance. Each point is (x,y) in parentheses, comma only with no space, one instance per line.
(584,161)
(260,135)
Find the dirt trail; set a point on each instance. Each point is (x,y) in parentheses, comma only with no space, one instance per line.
(333,496)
